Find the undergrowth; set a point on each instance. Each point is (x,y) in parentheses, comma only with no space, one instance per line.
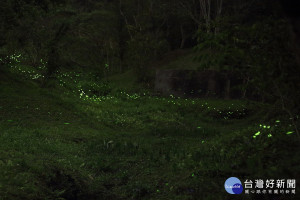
(61,143)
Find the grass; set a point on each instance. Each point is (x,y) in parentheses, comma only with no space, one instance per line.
(56,145)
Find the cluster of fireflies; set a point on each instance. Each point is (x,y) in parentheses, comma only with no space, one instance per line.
(266,130)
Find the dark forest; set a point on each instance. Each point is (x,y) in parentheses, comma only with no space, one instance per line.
(149,99)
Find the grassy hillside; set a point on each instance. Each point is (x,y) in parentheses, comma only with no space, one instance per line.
(63,143)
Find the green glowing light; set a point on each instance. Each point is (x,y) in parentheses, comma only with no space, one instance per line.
(269,135)
(258,133)
(289,132)
(10,120)
(203,141)
(199,127)
(66,123)
(254,136)
(277,121)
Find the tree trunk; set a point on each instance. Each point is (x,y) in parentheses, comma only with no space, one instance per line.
(211,84)
(227,88)
(183,37)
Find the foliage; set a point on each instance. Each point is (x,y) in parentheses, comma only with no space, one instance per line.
(260,50)
(142,49)
(119,34)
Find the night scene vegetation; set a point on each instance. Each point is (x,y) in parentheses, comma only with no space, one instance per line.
(147,99)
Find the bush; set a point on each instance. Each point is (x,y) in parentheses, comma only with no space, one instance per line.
(92,88)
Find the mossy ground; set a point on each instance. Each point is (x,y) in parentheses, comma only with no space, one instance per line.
(56,145)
